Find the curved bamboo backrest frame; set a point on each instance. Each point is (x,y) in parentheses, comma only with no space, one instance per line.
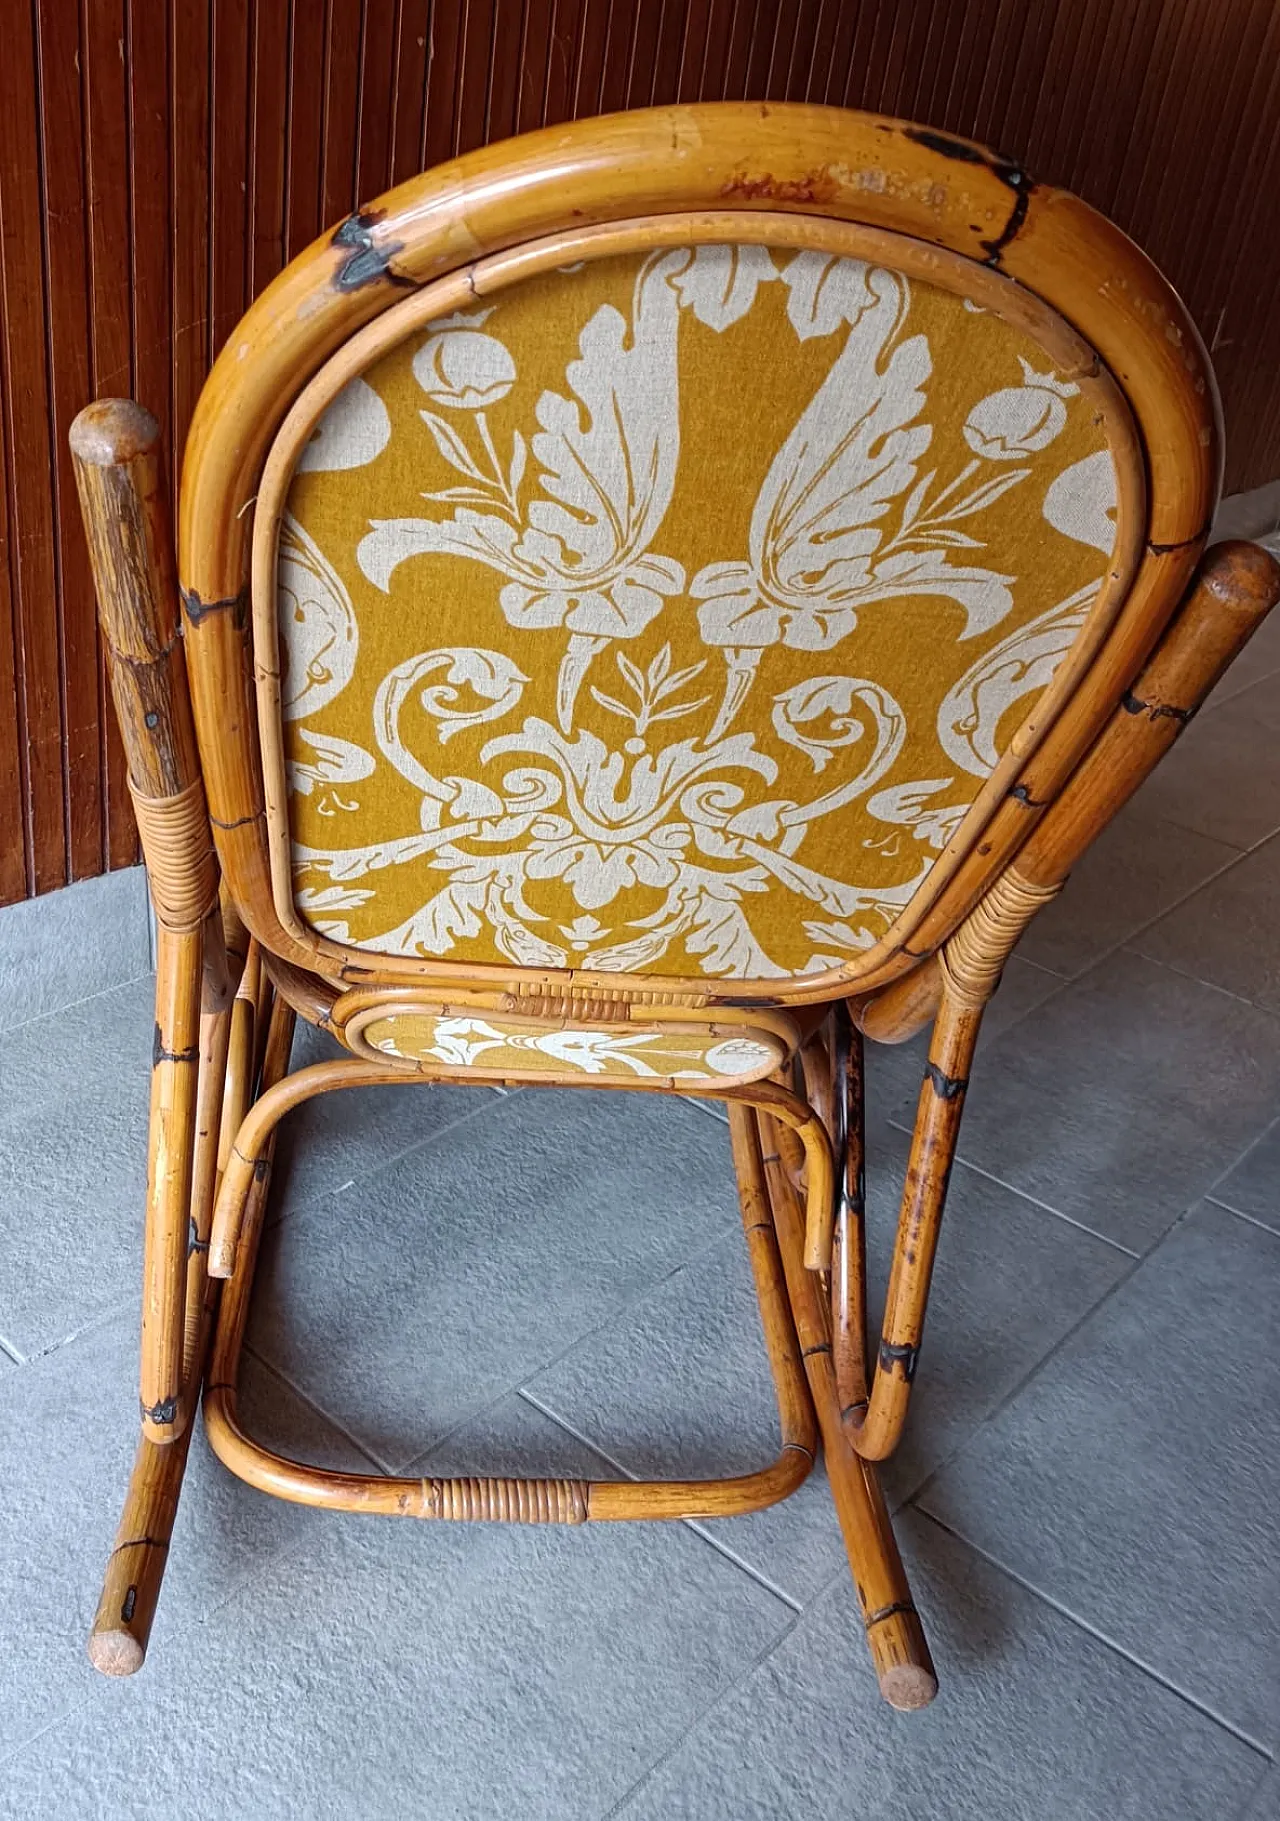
(936,208)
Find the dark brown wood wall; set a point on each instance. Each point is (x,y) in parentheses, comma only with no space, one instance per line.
(160,160)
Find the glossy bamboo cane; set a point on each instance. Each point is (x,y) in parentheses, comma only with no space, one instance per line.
(1235,587)
(477,1496)
(895,1635)
(116,451)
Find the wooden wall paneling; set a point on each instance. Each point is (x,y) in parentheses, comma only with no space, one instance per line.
(375,100)
(106,180)
(533,77)
(60,115)
(13,846)
(190,67)
(161,159)
(231,33)
(38,658)
(268,141)
(564,48)
(147,61)
(304,115)
(409,91)
(509,27)
(443,38)
(338,147)
(475,52)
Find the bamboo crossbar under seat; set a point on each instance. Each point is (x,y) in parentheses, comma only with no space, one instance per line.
(867,483)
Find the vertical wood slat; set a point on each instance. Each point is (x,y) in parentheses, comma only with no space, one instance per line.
(106,110)
(23,284)
(67,313)
(161,159)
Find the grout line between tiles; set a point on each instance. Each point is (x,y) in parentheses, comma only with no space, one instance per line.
(1122,942)
(25,1024)
(1034,1201)
(1100,1637)
(13,1753)
(1252,1220)
(753,1573)
(330,1422)
(617,1812)
(1182,973)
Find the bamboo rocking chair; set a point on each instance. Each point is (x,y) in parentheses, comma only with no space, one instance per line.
(578,805)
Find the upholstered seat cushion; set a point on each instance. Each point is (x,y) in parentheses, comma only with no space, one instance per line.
(668,612)
(489,1043)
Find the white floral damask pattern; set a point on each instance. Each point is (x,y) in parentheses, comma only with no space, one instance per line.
(710,725)
(460,1042)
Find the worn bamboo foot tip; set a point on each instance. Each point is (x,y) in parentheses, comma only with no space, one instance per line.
(908,1686)
(116,1653)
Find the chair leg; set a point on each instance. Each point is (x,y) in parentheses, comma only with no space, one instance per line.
(895,1635)
(131,1585)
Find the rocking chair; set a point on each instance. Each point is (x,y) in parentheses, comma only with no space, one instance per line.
(657,601)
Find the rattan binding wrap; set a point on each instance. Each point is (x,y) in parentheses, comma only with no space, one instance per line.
(182,868)
(973,959)
(508,1501)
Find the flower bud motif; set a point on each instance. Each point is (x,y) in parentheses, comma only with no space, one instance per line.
(464,369)
(1016,422)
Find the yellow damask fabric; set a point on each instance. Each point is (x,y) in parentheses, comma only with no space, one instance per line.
(667,612)
(489,1042)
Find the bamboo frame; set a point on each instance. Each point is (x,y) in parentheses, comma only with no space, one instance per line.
(233,971)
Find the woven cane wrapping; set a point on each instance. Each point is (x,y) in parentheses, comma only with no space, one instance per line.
(973,959)
(182,868)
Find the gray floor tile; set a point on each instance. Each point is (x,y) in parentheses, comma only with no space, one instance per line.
(1265,1804)
(468,1671)
(405,1303)
(73,1165)
(1253,1187)
(1035,1720)
(1136,870)
(69,945)
(1229,932)
(68,1424)
(1133,1480)
(1221,779)
(1123,1098)
(894,1070)
(681,1385)
(329,1141)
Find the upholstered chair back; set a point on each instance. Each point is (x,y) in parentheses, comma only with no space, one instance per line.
(668,611)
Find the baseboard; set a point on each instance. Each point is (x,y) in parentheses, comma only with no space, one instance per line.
(73,944)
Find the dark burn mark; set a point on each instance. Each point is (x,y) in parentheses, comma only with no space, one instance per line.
(1008,173)
(142,1542)
(194,1241)
(1155,711)
(196,610)
(163,1412)
(900,1354)
(888,1612)
(130,1601)
(240,821)
(366,260)
(160,1054)
(946,1087)
(815,186)
(1185,543)
(821,1346)
(1021,793)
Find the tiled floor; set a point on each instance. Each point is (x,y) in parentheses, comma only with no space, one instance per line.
(556,1283)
